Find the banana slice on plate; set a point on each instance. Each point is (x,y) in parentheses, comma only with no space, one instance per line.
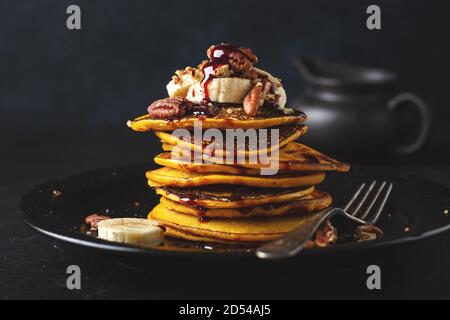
(131,230)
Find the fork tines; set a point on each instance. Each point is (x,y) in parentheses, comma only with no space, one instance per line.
(374,197)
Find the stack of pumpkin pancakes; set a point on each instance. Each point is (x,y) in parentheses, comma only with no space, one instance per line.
(204,197)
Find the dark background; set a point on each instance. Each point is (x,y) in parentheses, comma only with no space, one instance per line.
(59,84)
(65,96)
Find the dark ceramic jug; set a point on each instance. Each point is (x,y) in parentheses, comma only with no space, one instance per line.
(356,111)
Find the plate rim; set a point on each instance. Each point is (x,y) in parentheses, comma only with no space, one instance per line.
(100,244)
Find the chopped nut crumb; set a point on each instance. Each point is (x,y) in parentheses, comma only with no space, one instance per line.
(367,233)
(189,72)
(93,220)
(309,244)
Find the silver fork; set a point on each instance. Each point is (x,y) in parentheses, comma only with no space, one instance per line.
(294,241)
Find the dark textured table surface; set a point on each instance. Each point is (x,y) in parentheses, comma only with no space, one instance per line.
(33,266)
(55,79)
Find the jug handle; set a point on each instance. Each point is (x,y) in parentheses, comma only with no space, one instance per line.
(423,110)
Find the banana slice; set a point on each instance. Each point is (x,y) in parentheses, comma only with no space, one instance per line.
(223,90)
(182,81)
(131,230)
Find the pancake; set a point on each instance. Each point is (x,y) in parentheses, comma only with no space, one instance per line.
(298,157)
(316,201)
(228,196)
(165,159)
(293,157)
(265,118)
(166,146)
(286,134)
(176,178)
(180,234)
(239,230)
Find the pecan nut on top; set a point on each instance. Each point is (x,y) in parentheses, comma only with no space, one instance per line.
(239,62)
(240,59)
(169,108)
(252,100)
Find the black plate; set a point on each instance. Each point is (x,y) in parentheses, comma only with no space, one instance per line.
(416,204)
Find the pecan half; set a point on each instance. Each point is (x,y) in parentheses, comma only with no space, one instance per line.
(252,99)
(93,220)
(249,54)
(239,61)
(169,108)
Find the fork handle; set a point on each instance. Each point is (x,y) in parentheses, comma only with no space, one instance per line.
(293,242)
